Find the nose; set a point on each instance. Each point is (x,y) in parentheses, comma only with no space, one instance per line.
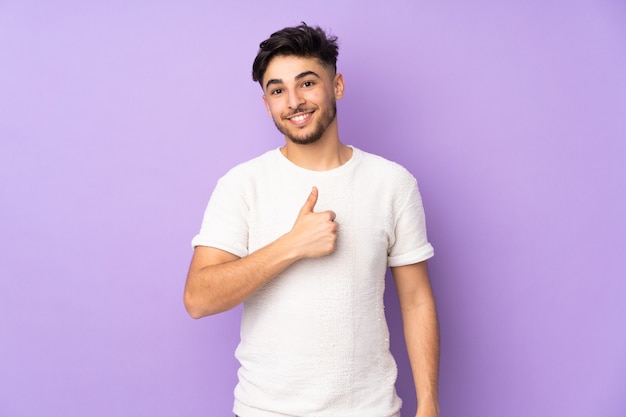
(295,99)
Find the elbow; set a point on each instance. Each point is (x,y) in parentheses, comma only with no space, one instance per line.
(194,309)
(194,313)
(197,308)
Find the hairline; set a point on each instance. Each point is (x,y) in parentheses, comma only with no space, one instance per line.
(325,65)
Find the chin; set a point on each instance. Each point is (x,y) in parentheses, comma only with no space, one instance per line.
(312,137)
(304,141)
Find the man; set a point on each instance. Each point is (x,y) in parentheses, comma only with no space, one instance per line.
(302,235)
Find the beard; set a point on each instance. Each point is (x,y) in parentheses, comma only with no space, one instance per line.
(325,120)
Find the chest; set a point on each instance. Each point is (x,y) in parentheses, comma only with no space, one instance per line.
(363,212)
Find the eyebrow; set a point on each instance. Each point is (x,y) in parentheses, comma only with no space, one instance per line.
(297,77)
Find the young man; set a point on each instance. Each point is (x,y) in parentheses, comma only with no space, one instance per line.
(302,235)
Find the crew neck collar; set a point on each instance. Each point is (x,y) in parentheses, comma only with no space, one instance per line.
(356,155)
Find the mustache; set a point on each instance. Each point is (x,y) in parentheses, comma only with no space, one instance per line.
(298,110)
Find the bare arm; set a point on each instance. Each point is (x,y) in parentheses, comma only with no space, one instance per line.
(421,332)
(218,281)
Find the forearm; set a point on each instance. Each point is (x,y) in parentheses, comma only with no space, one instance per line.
(218,281)
(421,331)
(211,289)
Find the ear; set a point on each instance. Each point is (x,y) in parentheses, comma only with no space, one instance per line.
(267,105)
(338,85)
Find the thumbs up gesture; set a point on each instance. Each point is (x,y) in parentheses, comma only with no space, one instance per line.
(314,234)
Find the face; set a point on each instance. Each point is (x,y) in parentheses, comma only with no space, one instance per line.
(300,95)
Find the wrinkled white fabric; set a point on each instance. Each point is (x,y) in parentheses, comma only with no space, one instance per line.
(314,340)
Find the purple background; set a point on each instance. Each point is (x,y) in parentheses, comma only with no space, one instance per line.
(117,118)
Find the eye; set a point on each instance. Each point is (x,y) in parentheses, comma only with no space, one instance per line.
(308,84)
(276,91)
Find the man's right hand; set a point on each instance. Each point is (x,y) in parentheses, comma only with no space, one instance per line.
(218,280)
(314,234)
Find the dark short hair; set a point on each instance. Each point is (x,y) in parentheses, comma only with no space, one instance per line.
(302,41)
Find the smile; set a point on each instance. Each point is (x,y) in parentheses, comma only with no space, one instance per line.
(300,118)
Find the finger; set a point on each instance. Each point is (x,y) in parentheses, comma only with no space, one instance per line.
(310,202)
(332,215)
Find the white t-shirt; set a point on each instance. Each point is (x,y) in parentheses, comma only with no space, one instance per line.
(314,340)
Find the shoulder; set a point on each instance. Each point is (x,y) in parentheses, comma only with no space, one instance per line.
(252,168)
(381,169)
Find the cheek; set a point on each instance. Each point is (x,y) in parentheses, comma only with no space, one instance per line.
(327,95)
(318,98)
(274,108)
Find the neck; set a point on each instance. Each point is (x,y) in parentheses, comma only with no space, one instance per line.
(327,153)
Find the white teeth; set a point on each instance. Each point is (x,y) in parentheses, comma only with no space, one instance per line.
(299,118)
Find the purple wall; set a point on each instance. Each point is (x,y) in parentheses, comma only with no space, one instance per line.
(117,118)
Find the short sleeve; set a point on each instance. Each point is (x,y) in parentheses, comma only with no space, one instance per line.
(225,221)
(411,242)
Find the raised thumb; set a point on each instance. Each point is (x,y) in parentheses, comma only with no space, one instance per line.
(310,202)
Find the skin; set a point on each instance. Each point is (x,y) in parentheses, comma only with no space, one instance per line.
(300,96)
(421,333)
